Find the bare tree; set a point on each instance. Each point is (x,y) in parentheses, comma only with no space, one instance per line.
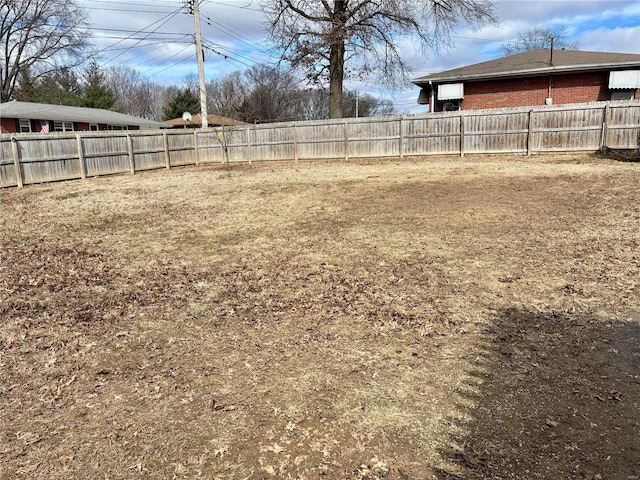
(322,36)
(273,94)
(357,104)
(539,37)
(135,94)
(227,97)
(316,104)
(36,35)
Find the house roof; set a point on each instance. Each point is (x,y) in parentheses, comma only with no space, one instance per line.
(534,62)
(65,113)
(213,120)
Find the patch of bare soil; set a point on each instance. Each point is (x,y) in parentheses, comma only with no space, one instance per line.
(473,318)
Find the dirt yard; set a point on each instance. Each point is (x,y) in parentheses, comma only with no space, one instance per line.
(436,319)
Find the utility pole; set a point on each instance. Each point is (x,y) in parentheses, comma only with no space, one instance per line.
(194,8)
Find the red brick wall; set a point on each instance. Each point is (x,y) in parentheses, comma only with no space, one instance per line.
(524,92)
(7,125)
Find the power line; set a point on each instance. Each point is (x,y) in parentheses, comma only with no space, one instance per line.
(127,10)
(137,31)
(226,57)
(164,20)
(136,4)
(231,33)
(241,7)
(172,65)
(164,41)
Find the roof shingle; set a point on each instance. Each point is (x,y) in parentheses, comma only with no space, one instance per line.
(535,62)
(65,113)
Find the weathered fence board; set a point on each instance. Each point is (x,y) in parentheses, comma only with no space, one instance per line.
(499,132)
(622,129)
(8,175)
(568,129)
(35,158)
(105,155)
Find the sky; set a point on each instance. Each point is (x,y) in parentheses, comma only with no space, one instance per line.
(156,38)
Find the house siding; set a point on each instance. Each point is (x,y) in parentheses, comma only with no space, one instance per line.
(533,91)
(9,125)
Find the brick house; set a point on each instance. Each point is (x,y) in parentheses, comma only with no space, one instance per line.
(535,77)
(27,117)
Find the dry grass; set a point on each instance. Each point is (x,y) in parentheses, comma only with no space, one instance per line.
(437,319)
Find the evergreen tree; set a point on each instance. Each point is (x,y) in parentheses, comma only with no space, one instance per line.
(60,87)
(27,89)
(96,93)
(184,101)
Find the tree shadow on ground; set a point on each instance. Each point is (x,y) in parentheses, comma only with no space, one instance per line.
(549,395)
(627,155)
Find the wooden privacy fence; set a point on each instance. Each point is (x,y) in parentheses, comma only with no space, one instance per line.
(35,158)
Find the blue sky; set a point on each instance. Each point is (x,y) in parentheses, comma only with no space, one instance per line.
(235,32)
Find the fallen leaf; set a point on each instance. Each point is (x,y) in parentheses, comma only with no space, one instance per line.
(67,458)
(275,448)
(270,470)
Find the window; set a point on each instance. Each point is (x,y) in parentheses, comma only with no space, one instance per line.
(62,126)
(93,127)
(451,106)
(623,94)
(25,126)
(117,127)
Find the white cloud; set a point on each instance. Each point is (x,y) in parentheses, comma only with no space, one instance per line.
(620,40)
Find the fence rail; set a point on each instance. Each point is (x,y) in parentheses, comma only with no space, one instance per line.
(37,158)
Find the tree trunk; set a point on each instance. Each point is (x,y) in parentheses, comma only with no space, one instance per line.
(336,60)
(336,78)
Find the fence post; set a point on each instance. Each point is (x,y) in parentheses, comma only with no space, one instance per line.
(167,159)
(529,128)
(401,137)
(195,145)
(83,165)
(605,128)
(16,161)
(346,140)
(248,149)
(132,162)
(295,143)
(461,133)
